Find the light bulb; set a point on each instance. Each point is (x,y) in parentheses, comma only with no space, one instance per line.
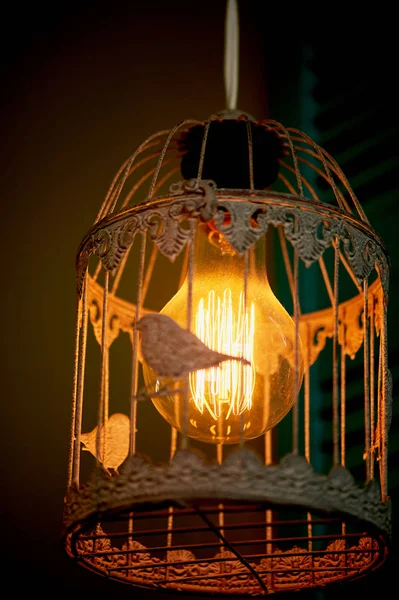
(234,401)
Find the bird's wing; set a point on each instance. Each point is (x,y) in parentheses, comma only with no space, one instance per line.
(185,353)
(118,439)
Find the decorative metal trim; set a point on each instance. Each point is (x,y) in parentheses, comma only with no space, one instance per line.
(309,226)
(181,571)
(120,313)
(241,477)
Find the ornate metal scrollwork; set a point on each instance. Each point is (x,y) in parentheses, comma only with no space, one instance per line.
(171,222)
(291,569)
(360,251)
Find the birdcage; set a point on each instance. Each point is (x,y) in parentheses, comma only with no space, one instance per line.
(246,475)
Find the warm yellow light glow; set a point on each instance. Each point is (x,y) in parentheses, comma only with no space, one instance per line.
(229,331)
(234,401)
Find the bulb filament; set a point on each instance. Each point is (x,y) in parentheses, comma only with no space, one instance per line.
(228,329)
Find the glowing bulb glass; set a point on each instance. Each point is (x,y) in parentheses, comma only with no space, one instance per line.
(234,401)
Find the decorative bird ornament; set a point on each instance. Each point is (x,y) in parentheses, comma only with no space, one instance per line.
(174,352)
(114,448)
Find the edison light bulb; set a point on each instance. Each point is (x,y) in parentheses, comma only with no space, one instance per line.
(234,401)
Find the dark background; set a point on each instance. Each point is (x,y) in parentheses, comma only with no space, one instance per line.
(82,86)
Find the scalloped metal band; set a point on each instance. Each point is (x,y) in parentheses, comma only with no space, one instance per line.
(242,476)
(309,226)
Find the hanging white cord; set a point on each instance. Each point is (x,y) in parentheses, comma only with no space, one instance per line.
(231,44)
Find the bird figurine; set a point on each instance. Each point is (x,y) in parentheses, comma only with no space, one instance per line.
(174,352)
(115,445)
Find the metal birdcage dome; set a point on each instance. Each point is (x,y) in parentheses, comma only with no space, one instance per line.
(245,508)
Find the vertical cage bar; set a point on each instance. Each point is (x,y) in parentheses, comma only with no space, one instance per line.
(384,400)
(287,264)
(106,382)
(139,182)
(148,273)
(372,384)
(307,394)
(190,272)
(378,434)
(173,445)
(118,183)
(268,512)
(80,383)
(75,387)
(326,279)
(307,430)
(250,155)
(335,361)
(135,365)
(102,417)
(284,132)
(219,455)
(366,379)
(203,148)
(295,408)
(343,411)
(162,154)
(242,367)
(184,269)
(190,266)
(343,390)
